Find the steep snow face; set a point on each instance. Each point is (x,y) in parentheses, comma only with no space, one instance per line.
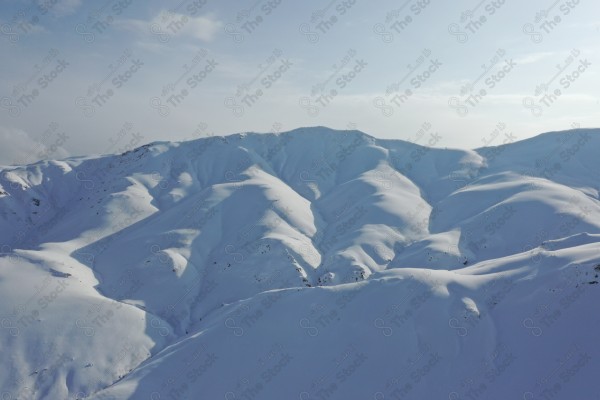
(311,264)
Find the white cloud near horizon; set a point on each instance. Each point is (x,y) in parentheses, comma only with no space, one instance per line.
(19,148)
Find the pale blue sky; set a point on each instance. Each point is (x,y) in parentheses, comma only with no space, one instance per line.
(81,76)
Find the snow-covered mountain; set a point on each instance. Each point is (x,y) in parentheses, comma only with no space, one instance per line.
(311,264)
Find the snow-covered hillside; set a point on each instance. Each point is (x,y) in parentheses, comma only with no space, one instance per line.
(311,264)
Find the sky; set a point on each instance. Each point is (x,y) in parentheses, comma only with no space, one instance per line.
(81,77)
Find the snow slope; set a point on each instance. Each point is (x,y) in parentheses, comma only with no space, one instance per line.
(310,264)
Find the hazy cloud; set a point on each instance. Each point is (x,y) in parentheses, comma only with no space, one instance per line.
(166,25)
(532,58)
(20,148)
(60,8)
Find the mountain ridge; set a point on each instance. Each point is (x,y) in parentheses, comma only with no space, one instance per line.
(186,247)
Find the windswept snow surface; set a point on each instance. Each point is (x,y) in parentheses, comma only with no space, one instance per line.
(311,264)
